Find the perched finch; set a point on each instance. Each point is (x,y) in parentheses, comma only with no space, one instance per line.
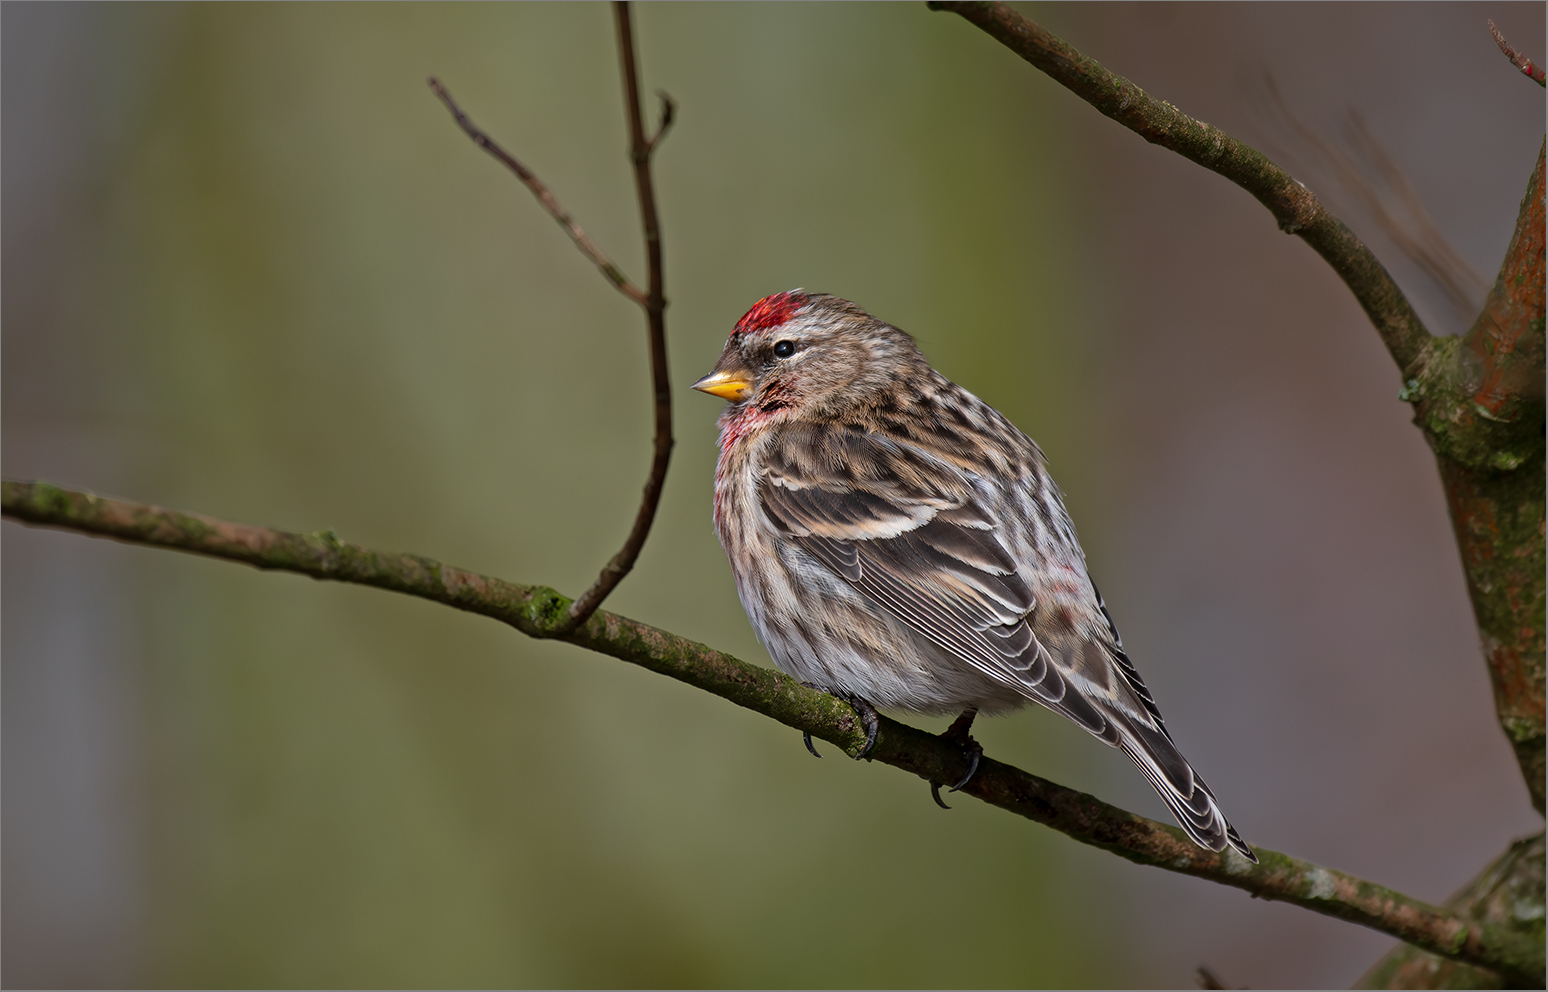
(898,543)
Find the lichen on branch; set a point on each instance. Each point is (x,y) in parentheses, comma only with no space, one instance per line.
(1479,400)
(541,612)
(1508,892)
(652,299)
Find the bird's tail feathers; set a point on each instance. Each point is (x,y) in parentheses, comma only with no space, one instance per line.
(1189,799)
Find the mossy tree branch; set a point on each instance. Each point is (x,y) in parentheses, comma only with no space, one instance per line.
(1295,208)
(1509,892)
(652,299)
(541,612)
(1478,399)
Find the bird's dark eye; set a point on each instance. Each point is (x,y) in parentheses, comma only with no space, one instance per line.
(784,349)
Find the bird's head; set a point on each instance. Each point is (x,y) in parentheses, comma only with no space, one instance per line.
(809,353)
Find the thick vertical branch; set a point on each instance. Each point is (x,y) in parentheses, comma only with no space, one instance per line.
(1479,401)
(640,150)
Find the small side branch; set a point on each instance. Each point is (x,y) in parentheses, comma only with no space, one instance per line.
(545,196)
(655,319)
(652,299)
(668,112)
(1294,206)
(1532,72)
(541,612)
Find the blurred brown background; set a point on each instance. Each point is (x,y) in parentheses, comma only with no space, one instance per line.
(251,268)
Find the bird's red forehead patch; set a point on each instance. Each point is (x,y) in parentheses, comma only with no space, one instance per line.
(771,311)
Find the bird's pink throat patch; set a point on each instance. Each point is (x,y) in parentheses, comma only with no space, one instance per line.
(739,421)
(771,311)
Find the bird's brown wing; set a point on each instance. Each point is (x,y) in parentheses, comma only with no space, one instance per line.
(909,531)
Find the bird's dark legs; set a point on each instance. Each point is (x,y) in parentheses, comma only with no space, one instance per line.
(868,720)
(958,734)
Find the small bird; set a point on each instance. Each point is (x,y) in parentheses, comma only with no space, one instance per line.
(898,543)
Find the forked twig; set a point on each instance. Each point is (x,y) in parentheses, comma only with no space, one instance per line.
(655,317)
(537,612)
(652,299)
(1532,72)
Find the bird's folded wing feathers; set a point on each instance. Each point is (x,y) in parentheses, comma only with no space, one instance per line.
(911,533)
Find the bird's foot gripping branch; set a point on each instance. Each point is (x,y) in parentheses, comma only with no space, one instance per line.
(541,612)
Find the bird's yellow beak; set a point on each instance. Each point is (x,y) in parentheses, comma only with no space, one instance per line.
(726,385)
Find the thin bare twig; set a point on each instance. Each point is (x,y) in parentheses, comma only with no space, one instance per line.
(541,612)
(1532,72)
(652,299)
(655,318)
(545,196)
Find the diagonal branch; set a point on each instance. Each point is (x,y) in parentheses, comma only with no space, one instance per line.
(1294,206)
(545,196)
(542,612)
(1507,890)
(652,299)
(1478,398)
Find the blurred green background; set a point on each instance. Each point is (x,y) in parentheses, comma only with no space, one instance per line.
(253,269)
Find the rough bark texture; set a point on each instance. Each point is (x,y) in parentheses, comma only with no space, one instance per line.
(1508,893)
(1479,401)
(542,612)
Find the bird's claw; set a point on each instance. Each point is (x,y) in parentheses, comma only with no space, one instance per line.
(868,720)
(976,753)
(958,734)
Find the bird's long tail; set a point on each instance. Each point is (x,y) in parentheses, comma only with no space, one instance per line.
(1092,682)
(1181,788)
